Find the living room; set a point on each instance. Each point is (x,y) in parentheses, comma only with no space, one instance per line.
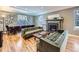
(39,28)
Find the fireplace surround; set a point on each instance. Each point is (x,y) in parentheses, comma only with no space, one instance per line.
(54,25)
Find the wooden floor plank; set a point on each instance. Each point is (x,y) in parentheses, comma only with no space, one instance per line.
(72,44)
(10,43)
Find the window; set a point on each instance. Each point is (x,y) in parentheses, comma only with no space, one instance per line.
(25,20)
(77,18)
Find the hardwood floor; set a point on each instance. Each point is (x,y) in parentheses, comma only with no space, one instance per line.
(72,44)
(0,49)
(14,43)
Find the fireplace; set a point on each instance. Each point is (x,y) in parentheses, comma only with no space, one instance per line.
(52,27)
(54,24)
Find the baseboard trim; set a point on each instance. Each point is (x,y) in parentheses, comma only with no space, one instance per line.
(73,35)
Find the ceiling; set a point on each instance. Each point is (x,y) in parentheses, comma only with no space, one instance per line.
(34,10)
(37,10)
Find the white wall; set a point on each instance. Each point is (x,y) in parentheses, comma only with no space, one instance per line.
(68,24)
(41,21)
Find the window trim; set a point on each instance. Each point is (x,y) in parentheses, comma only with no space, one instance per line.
(75,26)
